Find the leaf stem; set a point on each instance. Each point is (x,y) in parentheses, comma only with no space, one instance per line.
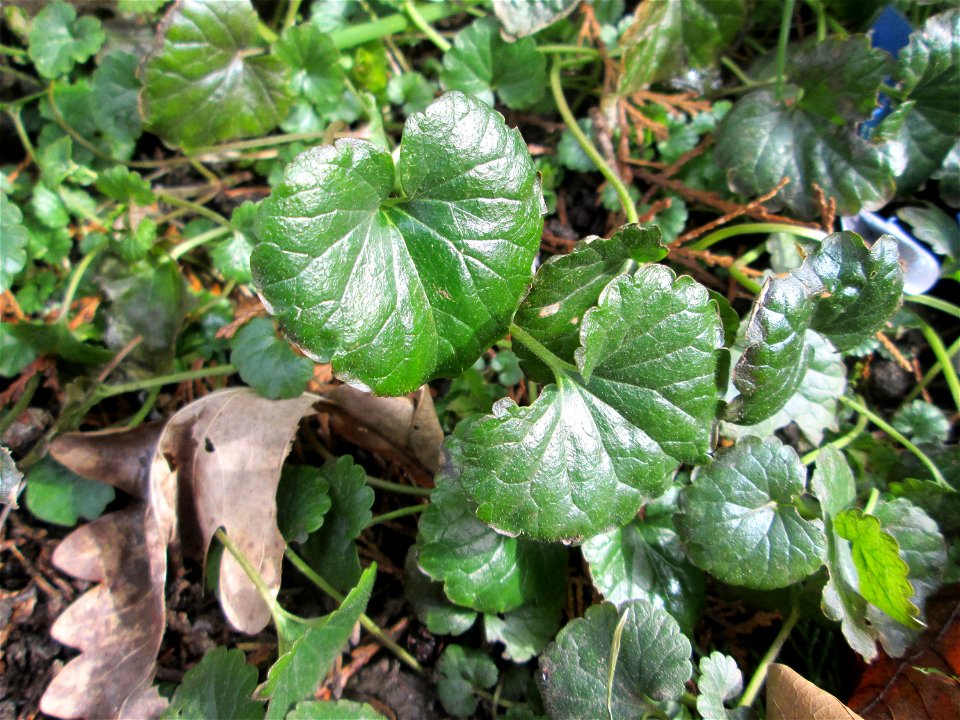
(786,19)
(195,207)
(872,501)
(899,437)
(940,352)
(935,303)
(754,229)
(15,52)
(74,283)
(748,283)
(391,24)
(251,572)
(22,134)
(393,514)
(432,35)
(398,488)
(145,409)
(558,366)
(267,141)
(106,391)
(932,372)
(760,674)
(22,404)
(293,7)
(369,625)
(562,49)
(556,86)
(190,243)
(840,442)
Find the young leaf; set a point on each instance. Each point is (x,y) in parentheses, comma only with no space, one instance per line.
(460,670)
(61,497)
(585,455)
(232,256)
(268,364)
(330,710)
(480,568)
(124,185)
(761,140)
(720,680)
(308,650)
(15,238)
(881,572)
(922,422)
(208,80)
(397,290)
(526,17)
(740,521)
(411,91)
(303,499)
(480,62)
(433,608)
(584,675)
(58,40)
(219,686)
(524,632)
(331,549)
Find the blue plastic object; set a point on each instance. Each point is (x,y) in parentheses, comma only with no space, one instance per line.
(920,268)
(891,32)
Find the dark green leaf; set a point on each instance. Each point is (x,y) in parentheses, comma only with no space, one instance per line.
(308,650)
(932,225)
(526,17)
(762,140)
(124,186)
(266,363)
(232,256)
(481,62)
(303,499)
(652,663)
(922,422)
(135,245)
(720,680)
(524,632)
(740,519)
(331,549)
(58,39)
(330,710)
(15,353)
(411,91)
(460,670)
(57,495)
(480,568)
(209,81)
(395,291)
(314,60)
(566,286)
(666,37)
(57,339)
(116,88)
(433,608)
(219,686)
(15,238)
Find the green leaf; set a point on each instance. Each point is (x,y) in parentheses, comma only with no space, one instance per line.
(116,88)
(331,549)
(932,225)
(740,520)
(433,608)
(125,186)
(15,353)
(720,680)
(57,339)
(839,77)
(459,671)
(303,499)
(569,151)
(666,37)
(314,61)
(585,674)
(397,290)
(10,479)
(481,62)
(208,81)
(881,572)
(48,208)
(58,39)
(13,243)
(411,91)
(308,650)
(56,161)
(526,17)
(57,495)
(566,286)
(266,363)
(339,710)
(479,568)
(922,422)
(232,256)
(524,632)
(813,407)
(219,686)
(762,140)
(644,560)
(583,457)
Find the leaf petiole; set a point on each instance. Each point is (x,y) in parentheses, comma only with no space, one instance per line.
(760,674)
(558,366)
(757,228)
(432,35)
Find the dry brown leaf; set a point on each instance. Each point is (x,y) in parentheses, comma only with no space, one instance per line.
(790,696)
(397,427)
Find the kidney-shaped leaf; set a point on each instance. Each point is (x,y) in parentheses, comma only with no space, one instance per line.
(740,519)
(614,664)
(210,80)
(397,289)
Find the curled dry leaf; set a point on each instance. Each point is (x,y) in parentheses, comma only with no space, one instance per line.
(790,696)
(218,460)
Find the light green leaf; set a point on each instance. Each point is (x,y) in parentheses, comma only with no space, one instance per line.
(314,61)
(116,88)
(479,568)
(651,664)
(932,225)
(268,364)
(720,680)
(411,91)
(48,208)
(303,499)
(15,353)
(56,161)
(569,151)
(124,185)
(526,17)
(524,632)
(881,572)
(330,710)
(208,80)
(432,606)
(140,7)
(219,686)
(922,422)
(57,495)
(644,560)
(232,256)
(331,549)
(666,37)
(481,62)
(740,520)
(58,39)
(10,479)
(566,286)
(13,242)
(459,671)
(583,457)
(762,140)
(397,290)
(308,650)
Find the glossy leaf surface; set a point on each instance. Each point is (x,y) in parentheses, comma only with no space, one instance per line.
(268,364)
(397,290)
(435,610)
(524,632)
(526,17)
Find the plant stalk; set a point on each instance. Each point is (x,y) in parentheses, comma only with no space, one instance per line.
(935,303)
(754,229)
(22,404)
(935,370)
(398,488)
(786,18)
(432,35)
(940,352)
(393,514)
(760,675)
(106,391)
